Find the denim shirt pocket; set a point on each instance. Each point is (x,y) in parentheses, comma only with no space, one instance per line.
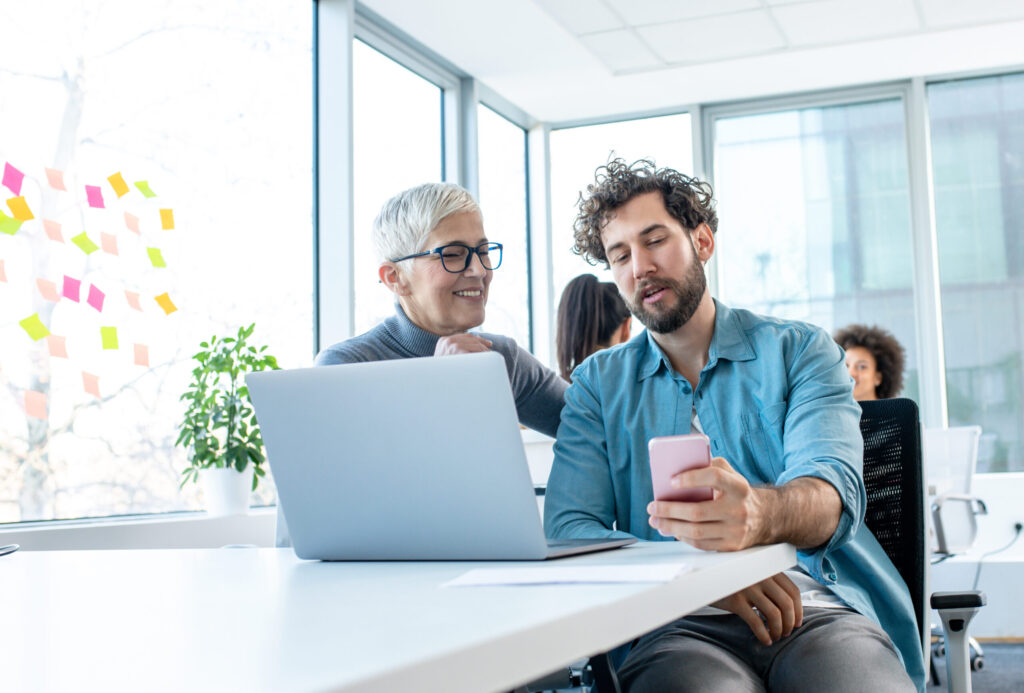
(763,433)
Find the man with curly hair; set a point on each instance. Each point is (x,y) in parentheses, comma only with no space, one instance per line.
(774,398)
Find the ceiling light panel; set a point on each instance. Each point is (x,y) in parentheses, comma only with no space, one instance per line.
(714,38)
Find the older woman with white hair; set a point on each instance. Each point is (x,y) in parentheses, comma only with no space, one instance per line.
(437,260)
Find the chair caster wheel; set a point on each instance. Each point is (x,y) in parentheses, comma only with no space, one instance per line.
(977,663)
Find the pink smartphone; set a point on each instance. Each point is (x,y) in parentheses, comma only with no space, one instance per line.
(671,455)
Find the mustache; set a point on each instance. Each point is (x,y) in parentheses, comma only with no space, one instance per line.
(647,285)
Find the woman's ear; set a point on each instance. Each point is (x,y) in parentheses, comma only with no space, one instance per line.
(393,278)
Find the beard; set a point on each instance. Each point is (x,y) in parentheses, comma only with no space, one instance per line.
(689,292)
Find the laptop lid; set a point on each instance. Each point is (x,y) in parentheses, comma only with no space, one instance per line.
(400,460)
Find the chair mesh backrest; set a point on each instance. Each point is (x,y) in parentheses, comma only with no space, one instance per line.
(895,489)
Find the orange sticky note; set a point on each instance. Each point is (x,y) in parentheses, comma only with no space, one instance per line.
(56,178)
(166,219)
(91,384)
(142,355)
(48,290)
(133,299)
(132,222)
(109,243)
(58,346)
(52,229)
(35,404)
(20,210)
(165,302)
(118,184)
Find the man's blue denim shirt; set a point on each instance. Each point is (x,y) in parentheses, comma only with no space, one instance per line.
(775,399)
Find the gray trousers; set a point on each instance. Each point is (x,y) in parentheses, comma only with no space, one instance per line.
(833,650)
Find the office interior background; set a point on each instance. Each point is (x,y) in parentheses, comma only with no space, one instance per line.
(867,158)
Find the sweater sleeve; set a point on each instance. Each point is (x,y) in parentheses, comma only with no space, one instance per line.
(539,392)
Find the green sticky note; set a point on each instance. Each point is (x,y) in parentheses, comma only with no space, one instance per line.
(109,335)
(9,225)
(156,257)
(35,327)
(83,242)
(143,186)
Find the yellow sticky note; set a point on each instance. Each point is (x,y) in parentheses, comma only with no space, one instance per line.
(19,208)
(156,257)
(144,188)
(118,184)
(83,242)
(166,219)
(9,225)
(109,336)
(34,327)
(164,300)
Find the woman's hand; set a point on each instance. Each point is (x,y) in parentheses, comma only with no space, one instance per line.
(462,343)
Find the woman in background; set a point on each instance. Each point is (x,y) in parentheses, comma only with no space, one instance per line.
(591,316)
(875,360)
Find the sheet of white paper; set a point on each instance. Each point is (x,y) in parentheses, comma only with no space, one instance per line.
(554,574)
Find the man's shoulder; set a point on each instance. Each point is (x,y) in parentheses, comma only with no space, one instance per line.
(771,331)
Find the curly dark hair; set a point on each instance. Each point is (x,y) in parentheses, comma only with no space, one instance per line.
(688,200)
(888,352)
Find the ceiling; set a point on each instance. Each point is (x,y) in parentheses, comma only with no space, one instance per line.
(566,60)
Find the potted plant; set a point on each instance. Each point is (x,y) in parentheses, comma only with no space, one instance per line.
(219,429)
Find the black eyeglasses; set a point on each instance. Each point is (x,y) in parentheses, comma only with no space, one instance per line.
(455,257)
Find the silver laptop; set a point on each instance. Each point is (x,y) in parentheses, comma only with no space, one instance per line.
(411,459)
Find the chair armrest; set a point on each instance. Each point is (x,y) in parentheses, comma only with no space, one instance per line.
(958,600)
(978,505)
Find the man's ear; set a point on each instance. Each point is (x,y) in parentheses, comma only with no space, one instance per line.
(393,278)
(703,242)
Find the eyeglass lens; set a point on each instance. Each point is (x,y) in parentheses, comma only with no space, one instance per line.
(456,258)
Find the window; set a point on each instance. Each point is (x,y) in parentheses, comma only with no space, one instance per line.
(397,145)
(977,140)
(209,110)
(502,156)
(814,210)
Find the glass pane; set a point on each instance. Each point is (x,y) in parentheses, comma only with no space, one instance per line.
(212,107)
(977,131)
(814,210)
(396,145)
(503,201)
(577,152)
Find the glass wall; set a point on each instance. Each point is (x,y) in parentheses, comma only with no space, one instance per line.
(977,139)
(157,190)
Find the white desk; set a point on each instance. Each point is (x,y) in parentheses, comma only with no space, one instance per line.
(260,619)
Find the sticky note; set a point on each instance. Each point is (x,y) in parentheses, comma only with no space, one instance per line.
(47,289)
(91,384)
(133,299)
(142,355)
(52,229)
(58,346)
(109,337)
(19,209)
(109,243)
(144,188)
(55,179)
(83,241)
(13,178)
(164,300)
(71,288)
(132,222)
(35,404)
(34,327)
(95,298)
(167,219)
(9,225)
(156,257)
(3,275)
(118,184)
(94,195)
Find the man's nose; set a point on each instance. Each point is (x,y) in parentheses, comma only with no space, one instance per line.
(642,264)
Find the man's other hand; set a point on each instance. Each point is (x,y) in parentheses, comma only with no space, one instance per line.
(462,343)
(778,601)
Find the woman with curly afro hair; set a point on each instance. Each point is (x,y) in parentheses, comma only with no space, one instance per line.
(874,359)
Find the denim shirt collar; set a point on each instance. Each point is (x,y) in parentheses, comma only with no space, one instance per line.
(729,341)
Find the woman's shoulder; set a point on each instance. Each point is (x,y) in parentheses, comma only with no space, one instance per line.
(369,346)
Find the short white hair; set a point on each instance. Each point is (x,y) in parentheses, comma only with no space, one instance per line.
(404,222)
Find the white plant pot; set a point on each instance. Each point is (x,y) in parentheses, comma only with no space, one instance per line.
(226,490)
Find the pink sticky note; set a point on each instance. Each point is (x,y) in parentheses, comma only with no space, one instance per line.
(55,178)
(132,222)
(95,298)
(35,404)
(133,299)
(3,275)
(109,243)
(57,345)
(142,355)
(13,178)
(52,229)
(47,289)
(95,196)
(72,288)
(91,384)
